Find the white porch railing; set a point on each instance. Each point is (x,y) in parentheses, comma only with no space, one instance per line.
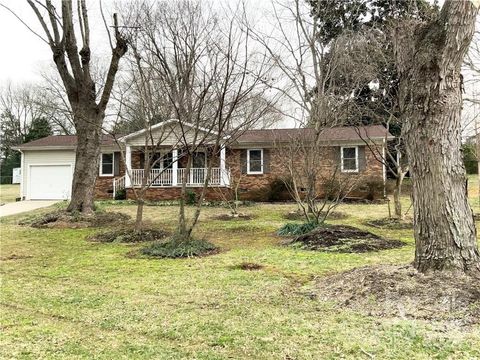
(118,184)
(196,177)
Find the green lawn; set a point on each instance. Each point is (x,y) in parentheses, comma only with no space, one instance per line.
(9,192)
(63,297)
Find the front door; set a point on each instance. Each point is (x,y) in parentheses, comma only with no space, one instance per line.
(199,159)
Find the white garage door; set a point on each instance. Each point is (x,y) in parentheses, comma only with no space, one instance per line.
(50,182)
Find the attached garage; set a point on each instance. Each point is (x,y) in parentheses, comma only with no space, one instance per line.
(48,164)
(47,174)
(49,182)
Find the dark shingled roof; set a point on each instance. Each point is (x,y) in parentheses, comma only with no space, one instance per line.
(374,132)
(345,133)
(62,141)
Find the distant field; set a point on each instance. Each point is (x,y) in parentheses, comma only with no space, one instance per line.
(8,193)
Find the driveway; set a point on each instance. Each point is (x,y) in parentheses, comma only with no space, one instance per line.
(24,206)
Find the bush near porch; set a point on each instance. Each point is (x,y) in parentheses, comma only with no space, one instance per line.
(65,297)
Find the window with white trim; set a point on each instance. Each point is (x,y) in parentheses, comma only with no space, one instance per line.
(106,164)
(349,159)
(255,161)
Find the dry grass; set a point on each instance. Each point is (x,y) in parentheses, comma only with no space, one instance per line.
(64,297)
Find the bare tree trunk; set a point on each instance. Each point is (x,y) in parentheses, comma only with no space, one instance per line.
(88,125)
(429,64)
(397,194)
(139,217)
(182,230)
(73,66)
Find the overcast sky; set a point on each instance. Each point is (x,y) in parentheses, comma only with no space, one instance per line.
(24,55)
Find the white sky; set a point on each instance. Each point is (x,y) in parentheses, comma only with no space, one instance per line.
(24,55)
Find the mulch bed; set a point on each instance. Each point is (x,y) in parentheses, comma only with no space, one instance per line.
(401,291)
(64,220)
(128,236)
(227,217)
(297,215)
(391,223)
(344,239)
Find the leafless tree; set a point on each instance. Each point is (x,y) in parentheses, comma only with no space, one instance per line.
(20,106)
(21,102)
(429,59)
(142,106)
(307,78)
(72,59)
(204,65)
(316,184)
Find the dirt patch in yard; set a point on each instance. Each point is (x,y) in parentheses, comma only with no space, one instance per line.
(391,223)
(227,217)
(64,220)
(248,266)
(344,239)
(15,257)
(128,236)
(401,291)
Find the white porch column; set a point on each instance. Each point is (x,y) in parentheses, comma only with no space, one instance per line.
(174,167)
(224,180)
(128,164)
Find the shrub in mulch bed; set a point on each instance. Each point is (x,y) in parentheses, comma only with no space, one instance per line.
(173,248)
(391,223)
(401,291)
(227,217)
(62,219)
(293,229)
(344,239)
(128,236)
(297,215)
(248,266)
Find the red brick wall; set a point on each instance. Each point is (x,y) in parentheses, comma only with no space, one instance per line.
(252,187)
(256,187)
(173,193)
(104,184)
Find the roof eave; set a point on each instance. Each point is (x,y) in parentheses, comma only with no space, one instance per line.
(43,147)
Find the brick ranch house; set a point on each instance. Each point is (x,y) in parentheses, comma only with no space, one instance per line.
(255,157)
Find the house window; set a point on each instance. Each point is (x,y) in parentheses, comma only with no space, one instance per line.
(155,161)
(255,161)
(199,159)
(349,160)
(106,164)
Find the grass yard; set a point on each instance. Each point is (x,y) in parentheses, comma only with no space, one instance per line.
(9,192)
(64,297)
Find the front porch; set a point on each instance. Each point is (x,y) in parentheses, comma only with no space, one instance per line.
(168,169)
(174,177)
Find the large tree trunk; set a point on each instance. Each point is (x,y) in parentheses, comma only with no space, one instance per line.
(429,60)
(88,125)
